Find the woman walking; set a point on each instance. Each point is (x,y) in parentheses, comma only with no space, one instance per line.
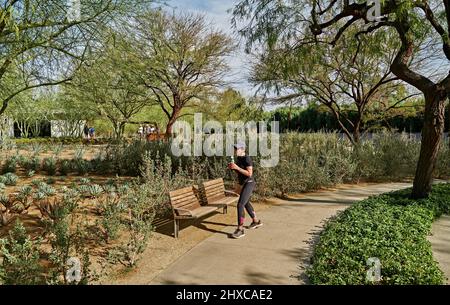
(244,169)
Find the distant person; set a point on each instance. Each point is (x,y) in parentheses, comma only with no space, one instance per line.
(86,131)
(92,133)
(244,169)
(141,131)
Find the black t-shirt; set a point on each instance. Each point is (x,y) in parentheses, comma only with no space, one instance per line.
(243,162)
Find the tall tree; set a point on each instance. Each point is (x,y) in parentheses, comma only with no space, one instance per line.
(312,20)
(108,84)
(183,59)
(230,105)
(43,41)
(333,76)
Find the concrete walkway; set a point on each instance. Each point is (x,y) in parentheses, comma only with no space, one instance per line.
(273,254)
(440,241)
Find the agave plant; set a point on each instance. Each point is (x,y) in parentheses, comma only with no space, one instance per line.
(4,200)
(109,188)
(85,180)
(26,190)
(84,190)
(95,191)
(123,189)
(49,165)
(47,189)
(36,182)
(10,164)
(36,148)
(10,179)
(51,210)
(39,196)
(24,197)
(57,149)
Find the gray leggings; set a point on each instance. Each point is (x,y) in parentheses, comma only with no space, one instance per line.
(244,202)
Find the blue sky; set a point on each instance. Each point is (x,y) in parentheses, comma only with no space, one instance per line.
(216,13)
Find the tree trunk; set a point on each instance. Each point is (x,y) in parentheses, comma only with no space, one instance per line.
(432,131)
(119,130)
(173,118)
(356,133)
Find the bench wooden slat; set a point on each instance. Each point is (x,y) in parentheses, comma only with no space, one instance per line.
(183,200)
(186,205)
(213,182)
(186,190)
(213,192)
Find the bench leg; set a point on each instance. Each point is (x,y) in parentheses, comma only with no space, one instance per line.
(176,228)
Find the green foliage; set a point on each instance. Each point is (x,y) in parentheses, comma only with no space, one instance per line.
(391,227)
(31,163)
(20,264)
(111,210)
(138,224)
(50,165)
(9,179)
(10,164)
(65,167)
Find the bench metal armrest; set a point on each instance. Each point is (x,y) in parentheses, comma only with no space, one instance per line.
(232,193)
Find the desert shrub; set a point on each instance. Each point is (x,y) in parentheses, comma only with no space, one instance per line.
(10,164)
(49,165)
(443,162)
(111,210)
(387,156)
(69,244)
(391,227)
(9,179)
(158,181)
(46,189)
(65,167)
(81,166)
(95,190)
(138,225)
(30,163)
(24,197)
(21,255)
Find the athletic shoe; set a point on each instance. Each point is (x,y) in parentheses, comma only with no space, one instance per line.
(238,234)
(255,225)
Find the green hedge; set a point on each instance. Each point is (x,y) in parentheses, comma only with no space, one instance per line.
(391,227)
(61,140)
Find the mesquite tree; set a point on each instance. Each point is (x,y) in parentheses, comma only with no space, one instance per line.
(183,59)
(411,21)
(108,85)
(333,76)
(43,41)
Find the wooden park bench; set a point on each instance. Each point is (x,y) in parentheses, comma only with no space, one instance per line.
(185,205)
(213,193)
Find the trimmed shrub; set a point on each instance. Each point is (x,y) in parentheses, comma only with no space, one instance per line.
(391,227)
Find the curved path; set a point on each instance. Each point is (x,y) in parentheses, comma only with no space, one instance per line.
(440,241)
(273,254)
